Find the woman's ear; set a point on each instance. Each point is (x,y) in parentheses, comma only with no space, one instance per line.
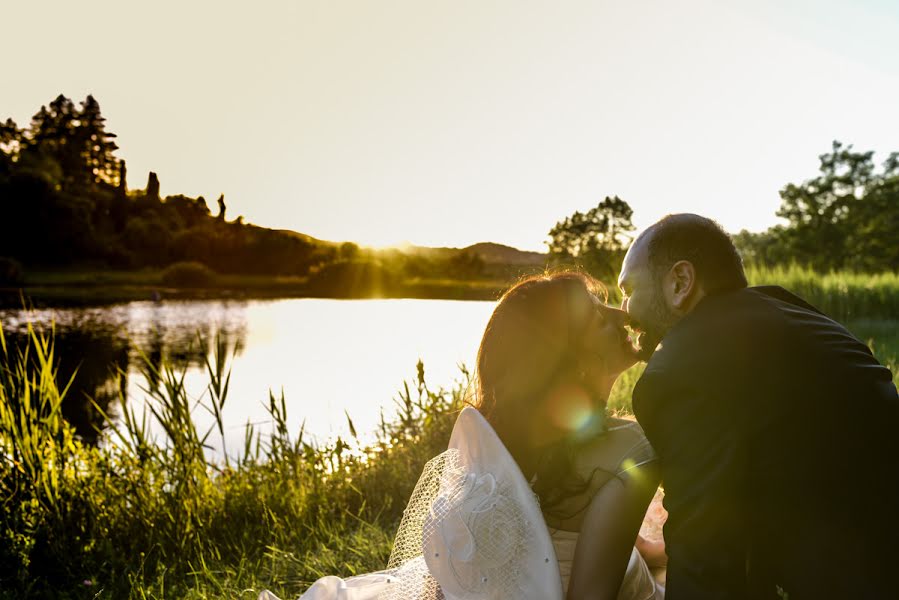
(682,289)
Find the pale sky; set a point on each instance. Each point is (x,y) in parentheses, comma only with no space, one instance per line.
(449,122)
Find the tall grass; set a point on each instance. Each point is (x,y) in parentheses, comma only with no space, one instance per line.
(844,295)
(152,518)
(141,517)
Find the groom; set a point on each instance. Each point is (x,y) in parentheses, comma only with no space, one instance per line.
(776,428)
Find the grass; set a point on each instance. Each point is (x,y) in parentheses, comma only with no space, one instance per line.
(138,517)
(844,295)
(153,518)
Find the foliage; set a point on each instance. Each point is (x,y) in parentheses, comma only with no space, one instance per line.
(188,274)
(152,516)
(353,278)
(596,239)
(142,517)
(845,218)
(842,295)
(63,202)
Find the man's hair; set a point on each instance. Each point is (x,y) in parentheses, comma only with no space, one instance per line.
(700,241)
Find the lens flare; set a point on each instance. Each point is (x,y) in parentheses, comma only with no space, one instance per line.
(571,409)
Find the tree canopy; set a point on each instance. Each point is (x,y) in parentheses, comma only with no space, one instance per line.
(595,240)
(845,218)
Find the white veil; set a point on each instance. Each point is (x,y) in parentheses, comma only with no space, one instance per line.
(471,530)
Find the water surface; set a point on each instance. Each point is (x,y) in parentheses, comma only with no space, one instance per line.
(330,357)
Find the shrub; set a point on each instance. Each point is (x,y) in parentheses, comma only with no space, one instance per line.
(353,279)
(189,274)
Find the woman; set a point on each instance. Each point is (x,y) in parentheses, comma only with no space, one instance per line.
(472,529)
(550,354)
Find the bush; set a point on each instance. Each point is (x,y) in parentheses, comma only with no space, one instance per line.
(11,272)
(189,274)
(353,279)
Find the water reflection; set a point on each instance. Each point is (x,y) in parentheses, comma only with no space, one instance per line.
(329,357)
(99,351)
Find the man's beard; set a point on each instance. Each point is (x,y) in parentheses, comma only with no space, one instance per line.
(654,327)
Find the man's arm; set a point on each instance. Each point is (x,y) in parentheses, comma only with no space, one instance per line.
(698,433)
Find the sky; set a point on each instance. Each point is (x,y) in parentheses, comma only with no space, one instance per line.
(451,122)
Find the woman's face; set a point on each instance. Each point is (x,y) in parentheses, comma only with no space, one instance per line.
(607,347)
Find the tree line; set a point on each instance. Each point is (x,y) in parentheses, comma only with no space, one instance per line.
(845,218)
(64,203)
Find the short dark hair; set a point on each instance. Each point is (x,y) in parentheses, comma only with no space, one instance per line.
(701,241)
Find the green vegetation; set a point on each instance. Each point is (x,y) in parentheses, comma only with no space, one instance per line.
(146,518)
(843,295)
(845,218)
(138,517)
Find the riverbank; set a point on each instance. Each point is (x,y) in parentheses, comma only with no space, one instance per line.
(843,295)
(97,288)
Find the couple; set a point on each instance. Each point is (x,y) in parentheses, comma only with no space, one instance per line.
(772,429)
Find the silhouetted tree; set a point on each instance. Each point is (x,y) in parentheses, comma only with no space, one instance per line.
(221,203)
(123,176)
(595,239)
(153,187)
(95,144)
(348,251)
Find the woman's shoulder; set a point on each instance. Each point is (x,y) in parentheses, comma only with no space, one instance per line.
(621,447)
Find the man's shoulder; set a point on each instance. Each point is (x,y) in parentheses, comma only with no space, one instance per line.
(720,324)
(723,335)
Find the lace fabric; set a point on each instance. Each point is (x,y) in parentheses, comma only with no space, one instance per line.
(473,528)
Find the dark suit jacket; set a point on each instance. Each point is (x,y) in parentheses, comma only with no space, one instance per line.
(777,432)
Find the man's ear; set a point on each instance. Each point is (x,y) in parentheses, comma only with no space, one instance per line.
(682,289)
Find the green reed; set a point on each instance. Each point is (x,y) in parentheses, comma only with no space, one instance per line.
(151,517)
(844,295)
(143,517)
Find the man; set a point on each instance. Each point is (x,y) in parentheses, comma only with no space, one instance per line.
(776,428)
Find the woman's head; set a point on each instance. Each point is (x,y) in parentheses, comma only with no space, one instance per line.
(549,355)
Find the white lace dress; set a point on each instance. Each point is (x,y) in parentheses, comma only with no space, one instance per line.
(473,530)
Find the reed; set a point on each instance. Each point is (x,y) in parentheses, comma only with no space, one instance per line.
(843,295)
(144,516)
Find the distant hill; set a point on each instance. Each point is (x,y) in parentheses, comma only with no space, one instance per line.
(498,253)
(491,253)
(306,238)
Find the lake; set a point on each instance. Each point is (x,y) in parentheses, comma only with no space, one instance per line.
(330,357)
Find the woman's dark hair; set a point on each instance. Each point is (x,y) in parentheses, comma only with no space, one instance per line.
(701,241)
(528,359)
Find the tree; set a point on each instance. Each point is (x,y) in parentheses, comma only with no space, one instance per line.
(818,210)
(596,239)
(348,251)
(50,137)
(96,145)
(10,139)
(846,217)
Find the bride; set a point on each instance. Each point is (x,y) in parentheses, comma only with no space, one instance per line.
(540,495)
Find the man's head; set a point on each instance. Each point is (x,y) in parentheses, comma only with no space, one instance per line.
(670,267)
